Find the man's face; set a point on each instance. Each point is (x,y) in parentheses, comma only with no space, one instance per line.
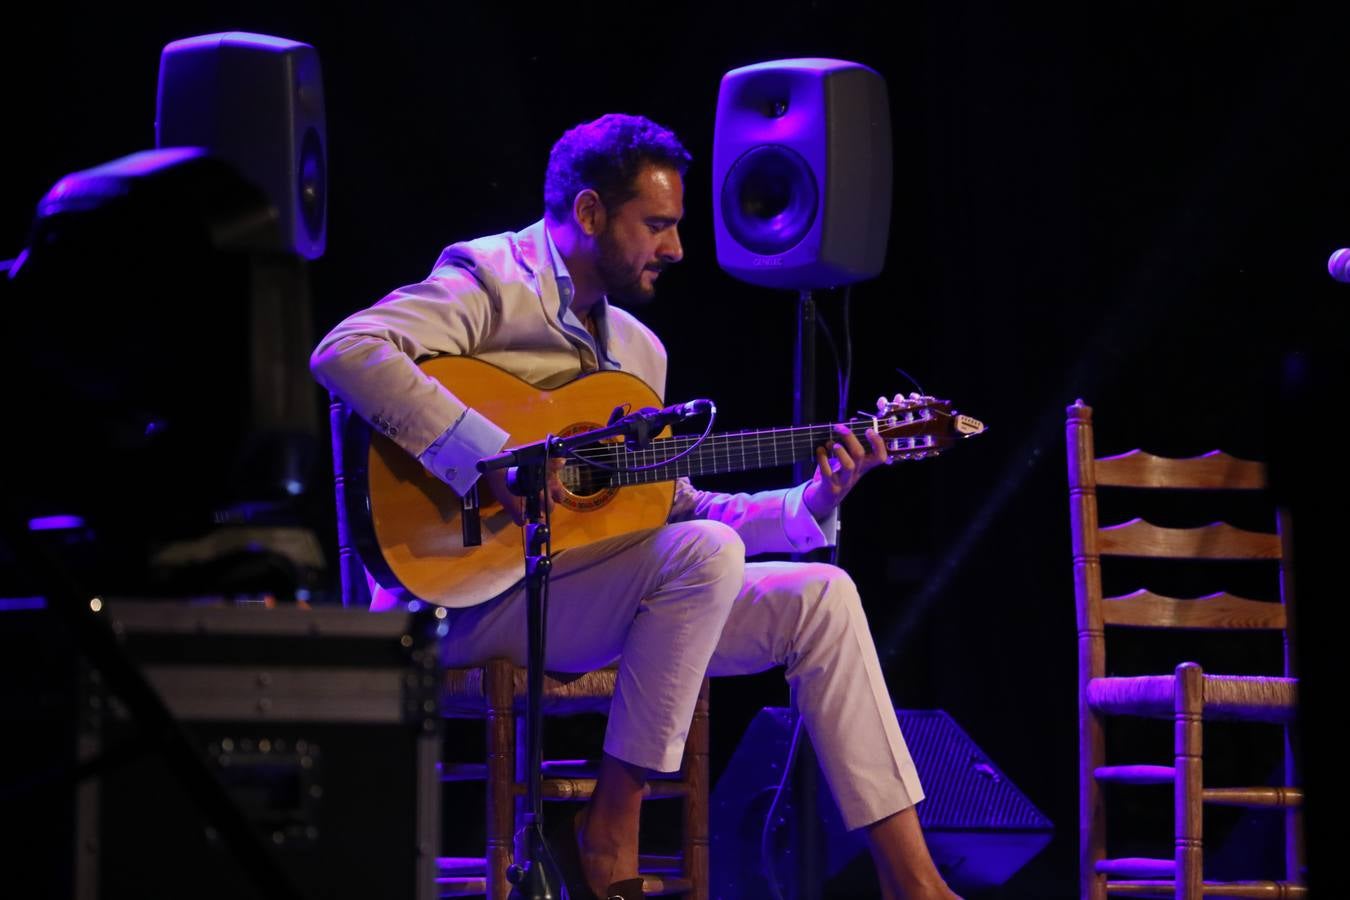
(641,236)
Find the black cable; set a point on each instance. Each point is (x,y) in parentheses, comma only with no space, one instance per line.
(848,351)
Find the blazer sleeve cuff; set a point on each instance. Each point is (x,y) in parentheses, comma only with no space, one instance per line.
(802,530)
(453,456)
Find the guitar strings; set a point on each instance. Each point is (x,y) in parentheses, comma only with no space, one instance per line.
(783,438)
(751,454)
(715,449)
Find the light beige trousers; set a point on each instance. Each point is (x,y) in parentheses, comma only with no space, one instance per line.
(675,602)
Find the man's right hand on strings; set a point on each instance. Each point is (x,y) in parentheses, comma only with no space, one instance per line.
(514,505)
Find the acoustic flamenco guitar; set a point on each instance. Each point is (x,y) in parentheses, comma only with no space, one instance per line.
(411,529)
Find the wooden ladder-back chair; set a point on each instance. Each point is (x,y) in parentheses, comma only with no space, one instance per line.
(495,692)
(1188,696)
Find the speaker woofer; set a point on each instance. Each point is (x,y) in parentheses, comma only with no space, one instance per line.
(769,200)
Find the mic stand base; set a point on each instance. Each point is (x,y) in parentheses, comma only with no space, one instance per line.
(534,881)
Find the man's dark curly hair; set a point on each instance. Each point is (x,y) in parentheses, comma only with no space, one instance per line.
(606,156)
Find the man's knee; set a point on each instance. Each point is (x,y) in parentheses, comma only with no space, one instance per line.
(830,594)
(709,553)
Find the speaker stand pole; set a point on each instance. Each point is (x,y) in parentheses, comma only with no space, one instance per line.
(810,878)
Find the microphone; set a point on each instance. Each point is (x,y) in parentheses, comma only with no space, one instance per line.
(677,412)
(1338,266)
(639,425)
(646,422)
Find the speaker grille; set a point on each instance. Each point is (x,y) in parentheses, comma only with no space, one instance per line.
(980,828)
(945,755)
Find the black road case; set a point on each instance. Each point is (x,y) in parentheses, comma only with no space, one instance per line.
(323,725)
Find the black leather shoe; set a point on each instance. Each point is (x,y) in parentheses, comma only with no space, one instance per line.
(561,834)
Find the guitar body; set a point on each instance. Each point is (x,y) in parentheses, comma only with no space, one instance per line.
(408,526)
(411,530)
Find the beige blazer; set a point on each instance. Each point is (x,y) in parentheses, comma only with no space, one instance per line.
(496,299)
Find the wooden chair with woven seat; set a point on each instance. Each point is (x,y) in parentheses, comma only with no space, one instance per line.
(495,692)
(1188,696)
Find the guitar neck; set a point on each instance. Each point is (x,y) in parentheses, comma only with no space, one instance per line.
(741,451)
(408,529)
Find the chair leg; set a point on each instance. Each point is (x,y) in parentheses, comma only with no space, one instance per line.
(499,690)
(1294,860)
(696,836)
(1091,815)
(1189,782)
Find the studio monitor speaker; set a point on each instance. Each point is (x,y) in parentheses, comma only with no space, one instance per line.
(255,102)
(802,173)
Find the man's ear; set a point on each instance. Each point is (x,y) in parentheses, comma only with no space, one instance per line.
(589,212)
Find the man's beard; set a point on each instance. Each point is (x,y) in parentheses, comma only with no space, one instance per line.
(621,284)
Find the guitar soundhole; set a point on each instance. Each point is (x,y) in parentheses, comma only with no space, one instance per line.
(585,487)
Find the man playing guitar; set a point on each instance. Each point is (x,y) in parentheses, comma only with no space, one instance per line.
(670,602)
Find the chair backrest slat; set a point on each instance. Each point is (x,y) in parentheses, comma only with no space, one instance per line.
(1217,541)
(1215,470)
(1130,476)
(1145,609)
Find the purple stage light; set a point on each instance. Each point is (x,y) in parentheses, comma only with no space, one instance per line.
(55,523)
(15,604)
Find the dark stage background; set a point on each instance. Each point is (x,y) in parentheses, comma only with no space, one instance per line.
(1129,203)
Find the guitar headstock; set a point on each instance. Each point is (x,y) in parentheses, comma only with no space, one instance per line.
(920,426)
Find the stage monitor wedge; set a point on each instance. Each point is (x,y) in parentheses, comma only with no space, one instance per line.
(979,827)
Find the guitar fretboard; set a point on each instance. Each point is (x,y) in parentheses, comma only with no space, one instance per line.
(670,458)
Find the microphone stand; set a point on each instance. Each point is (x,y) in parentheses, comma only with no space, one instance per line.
(539,878)
(810,862)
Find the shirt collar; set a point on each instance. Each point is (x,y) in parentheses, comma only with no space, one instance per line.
(559,267)
(599,312)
